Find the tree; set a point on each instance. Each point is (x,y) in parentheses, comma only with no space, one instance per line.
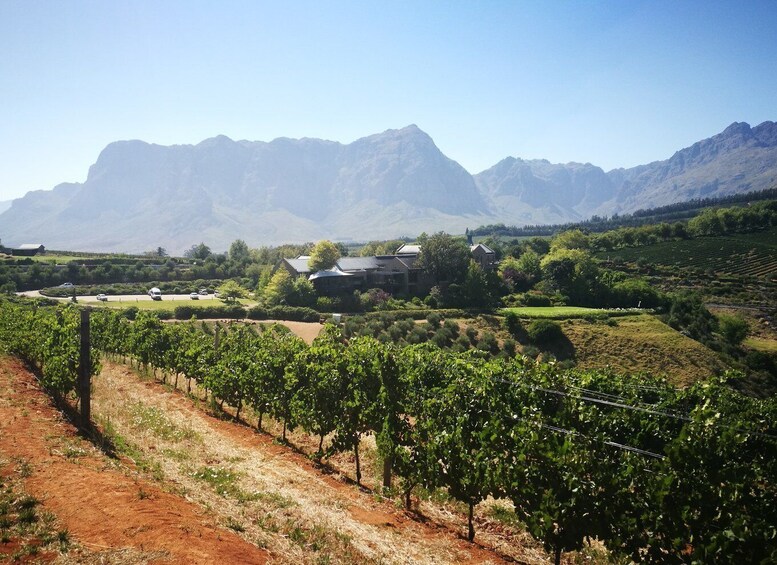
(158,252)
(733,328)
(475,289)
(279,288)
(572,272)
(239,253)
(324,256)
(199,251)
(444,257)
(230,291)
(571,239)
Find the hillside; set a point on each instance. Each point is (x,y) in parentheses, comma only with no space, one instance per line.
(138,196)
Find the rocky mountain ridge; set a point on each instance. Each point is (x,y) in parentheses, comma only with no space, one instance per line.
(139,196)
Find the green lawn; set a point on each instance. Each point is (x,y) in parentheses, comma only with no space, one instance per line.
(761,344)
(560,312)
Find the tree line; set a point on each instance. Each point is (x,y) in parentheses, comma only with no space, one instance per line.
(669,213)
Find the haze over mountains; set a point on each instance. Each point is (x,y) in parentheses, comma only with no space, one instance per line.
(139,196)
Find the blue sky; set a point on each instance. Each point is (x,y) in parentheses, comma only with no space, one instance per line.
(616,84)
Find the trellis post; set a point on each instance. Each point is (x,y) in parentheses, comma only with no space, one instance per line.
(85,370)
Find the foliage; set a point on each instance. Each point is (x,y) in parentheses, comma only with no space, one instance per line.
(444,257)
(323,256)
(733,328)
(655,473)
(47,337)
(199,251)
(230,291)
(543,332)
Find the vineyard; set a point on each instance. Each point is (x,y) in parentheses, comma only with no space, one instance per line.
(753,254)
(656,473)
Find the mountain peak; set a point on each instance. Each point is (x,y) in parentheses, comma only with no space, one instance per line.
(737,128)
(220,139)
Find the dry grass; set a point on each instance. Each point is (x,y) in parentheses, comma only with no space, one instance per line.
(640,344)
(270,497)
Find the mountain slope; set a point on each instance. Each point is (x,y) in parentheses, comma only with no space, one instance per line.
(139,196)
(740,159)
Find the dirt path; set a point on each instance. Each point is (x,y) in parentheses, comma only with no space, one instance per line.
(267,492)
(192,488)
(94,498)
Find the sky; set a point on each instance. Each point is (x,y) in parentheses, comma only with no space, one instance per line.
(613,83)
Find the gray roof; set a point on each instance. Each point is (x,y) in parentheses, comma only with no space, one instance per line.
(358,263)
(300,264)
(409,249)
(335,272)
(485,248)
(408,261)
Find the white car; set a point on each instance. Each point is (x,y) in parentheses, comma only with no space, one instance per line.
(102,297)
(194,296)
(155,294)
(66,285)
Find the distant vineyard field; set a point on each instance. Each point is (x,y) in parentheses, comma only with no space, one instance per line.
(752,254)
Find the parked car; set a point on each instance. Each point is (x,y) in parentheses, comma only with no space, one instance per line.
(66,285)
(194,296)
(155,294)
(102,297)
(204,292)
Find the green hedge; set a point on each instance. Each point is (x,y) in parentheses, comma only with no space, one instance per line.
(394,315)
(231,311)
(292,313)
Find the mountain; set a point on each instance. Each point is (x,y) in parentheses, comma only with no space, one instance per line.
(740,159)
(138,196)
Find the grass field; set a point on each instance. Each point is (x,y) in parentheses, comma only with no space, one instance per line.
(563,312)
(53,259)
(761,344)
(640,344)
(751,254)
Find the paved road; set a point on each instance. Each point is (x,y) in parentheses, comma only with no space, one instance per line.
(144,297)
(129,298)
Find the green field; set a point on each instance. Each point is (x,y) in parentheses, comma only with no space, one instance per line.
(752,254)
(761,344)
(562,312)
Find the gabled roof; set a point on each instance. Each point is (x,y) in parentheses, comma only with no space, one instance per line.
(408,261)
(409,249)
(30,246)
(485,248)
(300,264)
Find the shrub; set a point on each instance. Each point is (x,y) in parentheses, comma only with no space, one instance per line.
(488,343)
(508,346)
(512,323)
(434,319)
(531,299)
(257,313)
(543,332)
(231,311)
(294,313)
(733,328)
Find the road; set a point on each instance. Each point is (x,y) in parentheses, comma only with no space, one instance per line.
(129,298)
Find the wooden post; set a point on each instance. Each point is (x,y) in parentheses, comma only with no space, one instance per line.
(85,370)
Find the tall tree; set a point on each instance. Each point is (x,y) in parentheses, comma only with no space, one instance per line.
(444,257)
(324,255)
